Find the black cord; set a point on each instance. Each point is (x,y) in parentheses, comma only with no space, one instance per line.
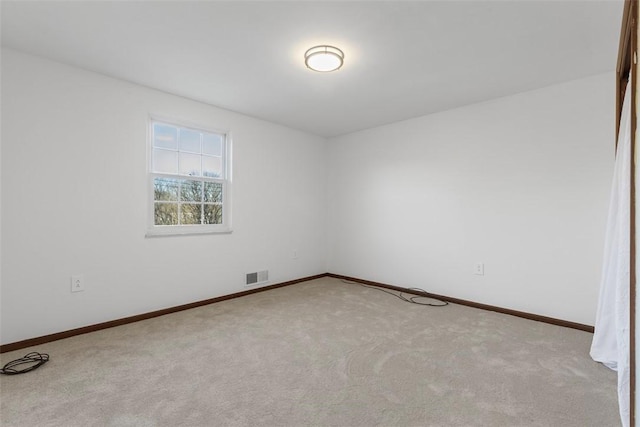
(401,296)
(37,360)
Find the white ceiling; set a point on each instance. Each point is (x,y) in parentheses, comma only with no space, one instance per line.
(402,59)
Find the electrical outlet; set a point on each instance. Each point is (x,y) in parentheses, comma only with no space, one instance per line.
(294,254)
(479,269)
(77,283)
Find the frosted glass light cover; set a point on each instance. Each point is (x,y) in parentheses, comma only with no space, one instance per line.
(324,58)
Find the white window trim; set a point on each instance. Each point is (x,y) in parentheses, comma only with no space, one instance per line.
(182,230)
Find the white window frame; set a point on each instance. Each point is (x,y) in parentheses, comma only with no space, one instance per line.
(174,230)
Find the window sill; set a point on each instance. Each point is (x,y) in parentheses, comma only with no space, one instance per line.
(185,231)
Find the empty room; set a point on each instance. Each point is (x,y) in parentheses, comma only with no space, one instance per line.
(345,213)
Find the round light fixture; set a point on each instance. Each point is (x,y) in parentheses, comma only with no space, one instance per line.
(324,58)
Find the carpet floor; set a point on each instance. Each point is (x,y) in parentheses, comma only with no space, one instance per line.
(319,353)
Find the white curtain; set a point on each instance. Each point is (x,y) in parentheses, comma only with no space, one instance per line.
(611,339)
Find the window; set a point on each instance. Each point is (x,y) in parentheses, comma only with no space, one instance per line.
(189,180)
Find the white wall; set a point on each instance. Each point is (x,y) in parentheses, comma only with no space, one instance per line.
(520,183)
(74,201)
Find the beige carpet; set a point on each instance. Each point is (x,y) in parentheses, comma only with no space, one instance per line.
(320,353)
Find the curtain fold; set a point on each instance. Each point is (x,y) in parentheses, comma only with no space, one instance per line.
(610,344)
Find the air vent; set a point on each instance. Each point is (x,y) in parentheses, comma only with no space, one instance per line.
(257,278)
(252,278)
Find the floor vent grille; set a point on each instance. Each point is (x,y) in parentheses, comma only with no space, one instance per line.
(257,278)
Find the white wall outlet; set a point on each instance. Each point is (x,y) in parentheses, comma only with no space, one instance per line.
(479,269)
(77,283)
(294,254)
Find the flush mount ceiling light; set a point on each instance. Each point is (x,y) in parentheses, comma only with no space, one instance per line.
(324,58)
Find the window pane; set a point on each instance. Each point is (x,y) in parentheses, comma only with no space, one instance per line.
(213,192)
(212,214)
(166,214)
(191,191)
(165,189)
(165,136)
(165,161)
(212,144)
(183,160)
(190,213)
(189,140)
(212,166)
(189,164)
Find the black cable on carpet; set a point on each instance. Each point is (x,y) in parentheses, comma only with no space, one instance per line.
(401,296)
(34,359)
